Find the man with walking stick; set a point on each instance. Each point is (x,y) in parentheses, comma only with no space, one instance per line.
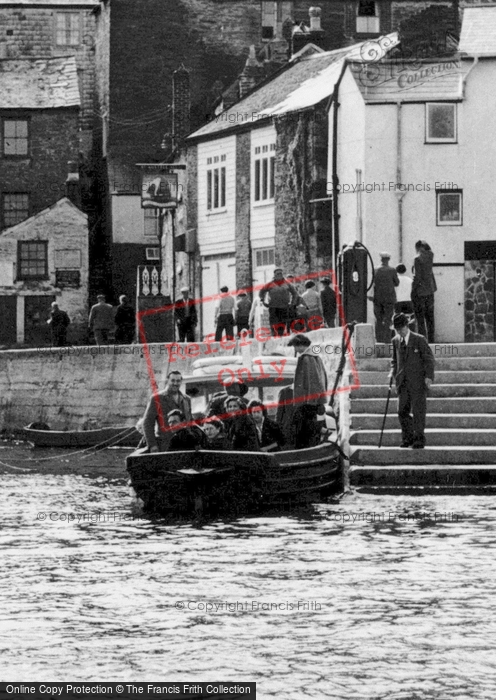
(412,366)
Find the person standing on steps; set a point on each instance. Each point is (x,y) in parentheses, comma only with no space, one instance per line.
(423,288)
(412,367)
(385,281)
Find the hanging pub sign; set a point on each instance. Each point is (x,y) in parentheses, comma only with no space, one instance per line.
(159,189)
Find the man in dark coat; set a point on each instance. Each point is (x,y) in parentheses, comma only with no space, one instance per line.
(385,281)
(412,367)
(328,299)
(423,288)
(125,322)
(186,317)
(58,323)
(171,398)
(309,393)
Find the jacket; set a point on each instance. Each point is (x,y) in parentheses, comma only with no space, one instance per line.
(184,312)
(101,317)
(281,294)
(385,281)
(310,381)
(424,283)
(416,365)
(167,403)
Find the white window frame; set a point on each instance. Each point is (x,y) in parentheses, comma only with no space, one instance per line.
(437,139)
(264,161)
(152,253)
(368,24)
(67,30)
(270,257)
(216,184)
(449,222)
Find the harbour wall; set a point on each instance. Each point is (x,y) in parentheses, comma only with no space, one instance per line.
(80,387)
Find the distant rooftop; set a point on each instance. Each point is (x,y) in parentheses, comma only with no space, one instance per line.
(50,3)
(39,83)
(478,36)
(299,86)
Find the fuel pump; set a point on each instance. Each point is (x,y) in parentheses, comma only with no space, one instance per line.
(352,269)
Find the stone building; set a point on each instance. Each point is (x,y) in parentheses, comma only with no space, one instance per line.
(44,259)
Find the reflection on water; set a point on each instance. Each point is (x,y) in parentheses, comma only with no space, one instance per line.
(373,598)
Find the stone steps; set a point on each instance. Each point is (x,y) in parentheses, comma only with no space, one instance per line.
(437,391)
(371,455)
(481,404)
(442,377)
(461,425)
(435,437)
(373,421)
(452,476)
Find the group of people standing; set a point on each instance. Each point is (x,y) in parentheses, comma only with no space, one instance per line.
(396,292)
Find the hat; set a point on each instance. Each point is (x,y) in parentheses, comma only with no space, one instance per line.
(325,280)
(278,269)
(100,296)
(299,339)
(400,320)
(184,289)
(385,255)
(224,289)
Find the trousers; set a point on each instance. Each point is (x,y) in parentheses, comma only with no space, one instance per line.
(424,314)
(412,407)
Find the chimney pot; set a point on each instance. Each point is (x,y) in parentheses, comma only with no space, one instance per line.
(315,15)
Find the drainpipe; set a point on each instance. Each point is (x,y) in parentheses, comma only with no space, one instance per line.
(399,193)
(333,100)
(474,63)
(359,206)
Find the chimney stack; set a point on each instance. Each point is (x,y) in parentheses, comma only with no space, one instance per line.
(252,73)
(313,34)
(181,105)
(72,185)
(315,14)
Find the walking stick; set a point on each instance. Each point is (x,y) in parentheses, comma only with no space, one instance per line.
(386,411)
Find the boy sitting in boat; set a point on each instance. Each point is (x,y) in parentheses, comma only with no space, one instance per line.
(187,437)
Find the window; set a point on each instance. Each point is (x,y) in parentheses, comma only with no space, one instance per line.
(440,122)
(67,29)
(367,17)
(216,183)
(32,260)
(264,182)
(449,208)
(151,223)
(264,257)
(15,138)
(153,253)
(15,208)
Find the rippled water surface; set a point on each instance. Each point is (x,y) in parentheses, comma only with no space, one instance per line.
(396,608)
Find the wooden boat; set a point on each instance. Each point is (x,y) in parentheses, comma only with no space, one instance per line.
(122,436)
(208,484)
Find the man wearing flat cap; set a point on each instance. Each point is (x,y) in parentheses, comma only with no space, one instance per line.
(309,393)
(186,317)
(412,367)
(385,281)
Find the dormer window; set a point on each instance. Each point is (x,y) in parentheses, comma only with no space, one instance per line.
(367,17)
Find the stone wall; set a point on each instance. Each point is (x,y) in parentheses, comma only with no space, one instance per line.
(29,32)
(479,301)
(53,141)
(67,387)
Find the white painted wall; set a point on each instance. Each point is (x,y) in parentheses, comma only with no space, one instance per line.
(216,272)
(262,214)
(216,228)
(127,219)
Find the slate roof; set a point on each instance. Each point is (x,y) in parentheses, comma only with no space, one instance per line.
(39,83)
(76,4)
(478,35)
(299,86)
(410,81)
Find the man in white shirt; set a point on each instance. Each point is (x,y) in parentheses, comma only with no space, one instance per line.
(404,304)
(224,315)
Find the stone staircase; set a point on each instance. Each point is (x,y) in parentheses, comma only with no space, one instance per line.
(461,425)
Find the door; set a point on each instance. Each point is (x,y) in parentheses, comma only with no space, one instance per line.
(36,315)
(8,316)
(217,272)
(449,305)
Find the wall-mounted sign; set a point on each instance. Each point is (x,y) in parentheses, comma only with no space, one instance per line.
(159,190)
(70,257)
(67,278)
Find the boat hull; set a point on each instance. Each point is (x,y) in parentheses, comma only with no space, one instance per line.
(124,436)
(231,484)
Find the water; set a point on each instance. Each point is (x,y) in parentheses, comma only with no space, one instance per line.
(395,609)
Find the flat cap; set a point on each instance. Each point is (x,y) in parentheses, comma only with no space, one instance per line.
(385,255)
